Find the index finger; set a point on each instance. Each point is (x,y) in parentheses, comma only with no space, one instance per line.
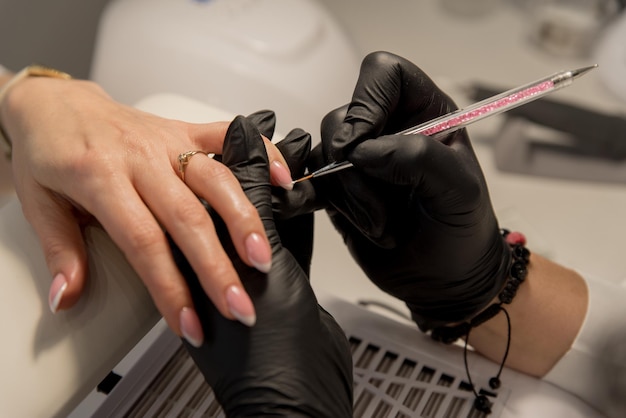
(209,137)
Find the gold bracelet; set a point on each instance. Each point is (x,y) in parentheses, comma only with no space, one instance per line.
(30,71)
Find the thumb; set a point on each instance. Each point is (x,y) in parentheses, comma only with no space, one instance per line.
(63,246)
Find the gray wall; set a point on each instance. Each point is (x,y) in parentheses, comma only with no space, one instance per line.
(58,33)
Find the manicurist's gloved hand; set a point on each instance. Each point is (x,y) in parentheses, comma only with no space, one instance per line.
(414,211)
(296,231)
(295,361)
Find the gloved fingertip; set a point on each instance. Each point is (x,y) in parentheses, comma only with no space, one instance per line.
(333,139)
(316,158)
(265,121)
(237,147)
(297,138)
(295,148)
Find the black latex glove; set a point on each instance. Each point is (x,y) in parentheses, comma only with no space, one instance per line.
(415,212)
(296,231)
(295,361)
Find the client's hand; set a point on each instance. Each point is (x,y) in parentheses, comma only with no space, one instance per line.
(415,212)
(78,154)
(296,360)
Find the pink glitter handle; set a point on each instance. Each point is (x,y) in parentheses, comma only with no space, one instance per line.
(458,119)
(483,109)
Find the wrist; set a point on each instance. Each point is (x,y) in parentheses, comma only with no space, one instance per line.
(30,71)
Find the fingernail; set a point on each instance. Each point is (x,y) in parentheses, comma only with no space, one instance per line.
(259,252)
(281,175)
(240,305)
(57,288)
(190,327)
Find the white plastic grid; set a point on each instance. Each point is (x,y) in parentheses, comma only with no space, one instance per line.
(390,381)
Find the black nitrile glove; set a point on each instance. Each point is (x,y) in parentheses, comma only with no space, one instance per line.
(296,231)
(295,361)
(415,212)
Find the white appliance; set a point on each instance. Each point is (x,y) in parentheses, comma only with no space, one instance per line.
(398,372)
(241,56)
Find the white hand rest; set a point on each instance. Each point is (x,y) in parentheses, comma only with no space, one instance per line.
(51,362)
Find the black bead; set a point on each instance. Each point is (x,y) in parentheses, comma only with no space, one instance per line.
(506,297)
(511,286)
(482,404)
(521,253)
(494,383)
(518,270)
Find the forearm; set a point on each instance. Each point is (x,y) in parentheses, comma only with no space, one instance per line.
(546,316)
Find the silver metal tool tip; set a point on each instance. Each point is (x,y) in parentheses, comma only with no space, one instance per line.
(584,70)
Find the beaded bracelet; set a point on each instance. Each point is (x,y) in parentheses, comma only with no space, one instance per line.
(30,71)
(520,257)
(517,274)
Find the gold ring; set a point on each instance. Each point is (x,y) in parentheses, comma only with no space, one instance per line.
(183,160)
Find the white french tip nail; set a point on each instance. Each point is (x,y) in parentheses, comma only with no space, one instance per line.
(240,306)
(247,320)
(191,328)
(57,294)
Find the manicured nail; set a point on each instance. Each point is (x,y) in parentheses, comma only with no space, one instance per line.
(259,252)
(281,175)
(191,328)
(57,288)
(240,305)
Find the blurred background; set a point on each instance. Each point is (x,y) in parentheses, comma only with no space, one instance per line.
(107,39)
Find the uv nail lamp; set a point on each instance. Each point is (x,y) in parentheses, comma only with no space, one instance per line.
(289,56)
(398,372)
